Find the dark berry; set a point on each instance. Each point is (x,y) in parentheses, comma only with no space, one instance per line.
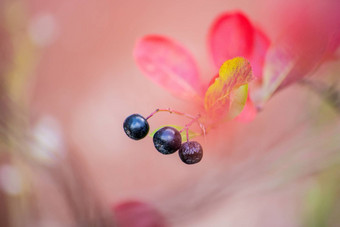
(136,127)
(167,140)
(191,152)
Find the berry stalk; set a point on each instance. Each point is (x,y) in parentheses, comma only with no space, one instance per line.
(171,111)
(193,118)
(187,126)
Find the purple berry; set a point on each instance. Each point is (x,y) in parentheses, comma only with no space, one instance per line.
(191,152)
(167,140)
(136,127)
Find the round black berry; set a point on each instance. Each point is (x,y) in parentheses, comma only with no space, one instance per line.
(167,140)
(136,127)
(191,152)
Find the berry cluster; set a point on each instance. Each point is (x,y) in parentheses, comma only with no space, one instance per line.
(167,140)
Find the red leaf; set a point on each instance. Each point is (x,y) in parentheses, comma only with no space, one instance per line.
(231,35)
(137,214)
(169,65)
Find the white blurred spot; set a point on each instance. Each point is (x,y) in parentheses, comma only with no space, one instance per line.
(10,180)
(43,29)
(47,144)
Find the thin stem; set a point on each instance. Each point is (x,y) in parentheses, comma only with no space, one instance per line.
(186,127)
(171,111)
(191,122)
(187,133)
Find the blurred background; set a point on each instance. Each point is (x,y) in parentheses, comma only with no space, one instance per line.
(68,80)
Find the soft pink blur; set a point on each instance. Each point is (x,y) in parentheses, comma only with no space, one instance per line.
(86,79)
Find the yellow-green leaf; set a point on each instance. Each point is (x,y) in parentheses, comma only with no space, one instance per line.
(238,101)
(233,74)
(191,133)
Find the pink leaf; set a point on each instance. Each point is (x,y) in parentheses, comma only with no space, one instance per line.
(169,65)
(308,37)
(231,35)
